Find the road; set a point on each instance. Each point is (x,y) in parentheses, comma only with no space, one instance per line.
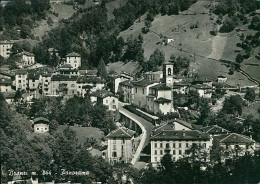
(143,124)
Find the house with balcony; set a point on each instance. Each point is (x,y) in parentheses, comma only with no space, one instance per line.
(73,59)
(5,85)
(126,89)
(21,79)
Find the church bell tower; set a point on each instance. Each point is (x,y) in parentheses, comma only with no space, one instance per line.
(168,74)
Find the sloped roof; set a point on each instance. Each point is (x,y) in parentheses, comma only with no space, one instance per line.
(127,83)
(5,81)
(161,86)
(21,72)
(26,53)
(214,129)
(66,66)
(63,78)
(121,132)
(182,84)
(180,135)
(73,54)
(102,93)
(233,138)
(90,79)
(201,86)
(40,120)
(142,83)
(169,125)
(33,76)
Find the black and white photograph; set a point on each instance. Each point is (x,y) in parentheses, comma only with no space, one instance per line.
(130,91)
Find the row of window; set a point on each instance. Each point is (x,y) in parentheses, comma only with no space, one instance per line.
(174,145)
(173,152)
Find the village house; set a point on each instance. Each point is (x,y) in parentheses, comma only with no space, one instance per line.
(221,79)
(7,75)
(154,76)
(120,145)
(126,89)
(5,85)
(89,84)
(41,125)
(5,48)
(46,82)
(159,99)
(63,85)
(176,138)
(233,145)
(181,87)
(214,130)
(73,59)
(27,59)
(67,69)
(205,91)
(117,79)
(106,98)
(21,79)
(141,90)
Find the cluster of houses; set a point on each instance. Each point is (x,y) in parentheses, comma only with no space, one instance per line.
(153,93)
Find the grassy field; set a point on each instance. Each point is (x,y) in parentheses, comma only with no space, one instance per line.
(84,132)
(130,67)
(188,41)
(253,109)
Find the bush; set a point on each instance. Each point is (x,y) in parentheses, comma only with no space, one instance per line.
(239,58)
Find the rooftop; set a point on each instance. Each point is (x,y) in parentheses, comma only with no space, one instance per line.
(73,54)
(90,79)
(180,135)
(102,93)
(169,125)
(121,132)
(201,86)
(40,120)
(161,86)
(233,138)
(5,81)
(21,72)
(142,83)
(63,78)
(26,53)
(33,76)
(214,129)
(127,83)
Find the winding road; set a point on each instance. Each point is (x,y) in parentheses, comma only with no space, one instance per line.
(145,126)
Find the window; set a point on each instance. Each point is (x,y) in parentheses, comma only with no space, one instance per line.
(187,144)
(204,145)
(113,101)
(173,145)
(143,90)
(75,61)
(161,145)
(106,101)
(155,159)
(155,145)
(173,152)
(114,141)
(161,152)
(37,128)
(72,85)
(19,81)
(114,147)
(180,152)
(169,71)
(45,128)
(155,152)
(173,159)
(135,90)
(123,141)
(167,145)
(114,154)
(179,145)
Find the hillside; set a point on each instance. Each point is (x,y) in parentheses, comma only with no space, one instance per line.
(188,41)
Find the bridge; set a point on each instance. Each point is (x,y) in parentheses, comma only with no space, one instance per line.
(138,124)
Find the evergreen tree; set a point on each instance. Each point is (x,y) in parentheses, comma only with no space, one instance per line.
(102,71)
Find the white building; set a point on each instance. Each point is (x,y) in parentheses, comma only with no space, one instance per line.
(89,84)
(154,76)
(222,79)
(63,85)
(46,82)
(41,125)
(204,90)
(159,99)
(126,88)
(27,58)
(73,59)
(5,48)
(21,79)
(141,91)
(106,98)
(176,137)
(120,145)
